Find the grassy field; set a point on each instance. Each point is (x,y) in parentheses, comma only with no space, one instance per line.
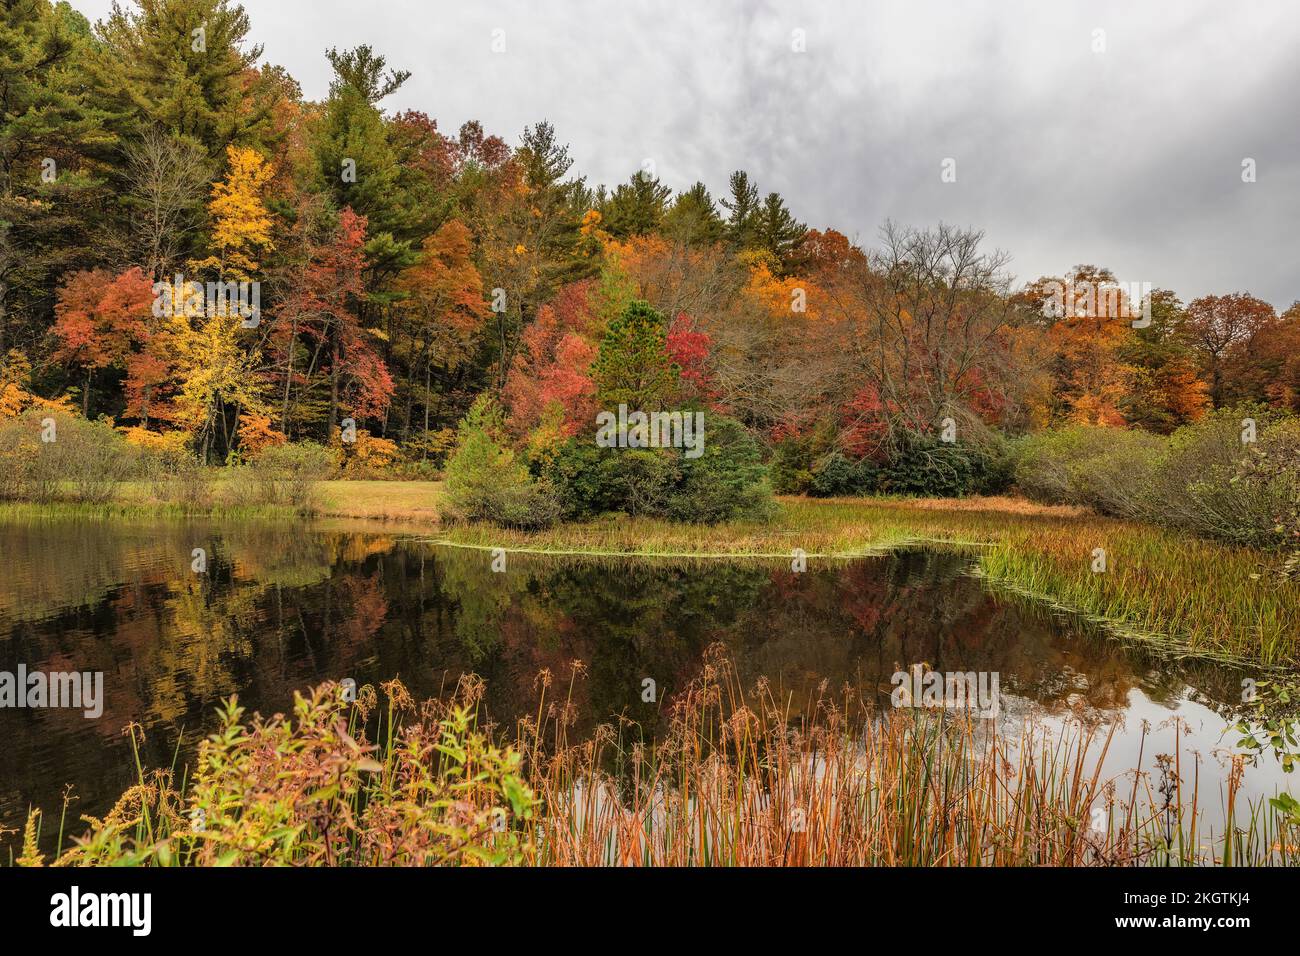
(397,501)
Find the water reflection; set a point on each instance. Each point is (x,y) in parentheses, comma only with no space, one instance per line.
(283,607)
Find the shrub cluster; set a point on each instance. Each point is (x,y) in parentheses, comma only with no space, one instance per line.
(487,480)
(923,467)
(52,455)
(285,475)
(1220,477)
(728,480)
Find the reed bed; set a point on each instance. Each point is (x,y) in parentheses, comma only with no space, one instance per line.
(736,780)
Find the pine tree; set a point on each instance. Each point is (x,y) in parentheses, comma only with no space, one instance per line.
(183,66)
(637,207)
(545,161)
(693,218)
(778,233)
(356,160)
(743,207)
(554,206)
(633,366)
(52,144)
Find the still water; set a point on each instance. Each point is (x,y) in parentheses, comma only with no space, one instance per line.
(281,608)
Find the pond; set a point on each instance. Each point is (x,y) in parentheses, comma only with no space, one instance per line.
(280,608)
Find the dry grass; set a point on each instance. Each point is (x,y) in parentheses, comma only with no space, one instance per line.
(406,502)
(737,780)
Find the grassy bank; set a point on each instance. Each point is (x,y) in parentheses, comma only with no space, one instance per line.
(736,781)
(394,501)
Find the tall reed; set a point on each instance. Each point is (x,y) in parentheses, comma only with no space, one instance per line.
(739,778)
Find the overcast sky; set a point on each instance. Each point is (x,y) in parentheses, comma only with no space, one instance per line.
(1130,158)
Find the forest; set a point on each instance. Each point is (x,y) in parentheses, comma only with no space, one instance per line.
(199,267)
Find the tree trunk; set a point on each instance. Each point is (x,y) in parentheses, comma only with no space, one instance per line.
(288,377)
(334,389)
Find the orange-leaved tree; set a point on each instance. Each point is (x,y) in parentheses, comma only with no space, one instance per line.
(100,319)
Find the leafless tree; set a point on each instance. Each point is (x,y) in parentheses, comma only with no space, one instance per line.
(930,319)
(167,181)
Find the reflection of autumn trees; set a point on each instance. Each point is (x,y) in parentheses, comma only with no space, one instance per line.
(861,623)
(281,608)
(123,600)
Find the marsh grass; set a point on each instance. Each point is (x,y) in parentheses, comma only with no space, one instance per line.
(740,778)
(1185,595)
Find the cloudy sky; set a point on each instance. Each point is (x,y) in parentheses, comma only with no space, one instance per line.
(1111,133)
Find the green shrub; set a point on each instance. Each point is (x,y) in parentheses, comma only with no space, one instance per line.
(530,505)
(593,480)
(582,488)
(791,469)
(1112,470)
(729,480)
(309,789)
(1120,482)
(1204,478)
(1214,484)
(839,477)
(1045,462)
(25,474)
(926,467)
(641,480)
(84,461)
(1274,464)
(996,465)
(486,481)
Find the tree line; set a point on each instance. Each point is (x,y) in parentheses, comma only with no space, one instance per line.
(403,271)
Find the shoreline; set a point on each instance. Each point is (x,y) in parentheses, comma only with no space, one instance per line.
(1185,595)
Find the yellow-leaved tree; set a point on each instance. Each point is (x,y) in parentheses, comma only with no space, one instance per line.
(241,223)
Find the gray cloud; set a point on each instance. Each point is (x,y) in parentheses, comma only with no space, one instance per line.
(1130,158)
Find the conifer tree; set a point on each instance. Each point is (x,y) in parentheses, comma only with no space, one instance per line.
(693,218)
(182,66)
(633,366)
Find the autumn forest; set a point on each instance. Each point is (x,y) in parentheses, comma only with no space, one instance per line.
(405,270)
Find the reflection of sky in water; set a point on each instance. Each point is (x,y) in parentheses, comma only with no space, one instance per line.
(283,608)
(1205,738)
